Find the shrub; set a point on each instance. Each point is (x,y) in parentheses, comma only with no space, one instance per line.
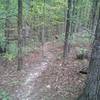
(12,51)
(81,53)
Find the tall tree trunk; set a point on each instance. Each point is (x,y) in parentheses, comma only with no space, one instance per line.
(72,26)
(92,89)
(93,16)
(67,31)
(43,30)
(19,34)
(7,28)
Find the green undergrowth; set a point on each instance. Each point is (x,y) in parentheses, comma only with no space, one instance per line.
(75,38)
(4,95)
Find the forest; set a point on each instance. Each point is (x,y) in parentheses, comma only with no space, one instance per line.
(49,49)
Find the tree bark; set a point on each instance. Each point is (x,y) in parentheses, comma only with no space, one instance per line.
(72,26)
(67,30)
(7,23)
(19,34)
(43,30)
(92,88)
(93,16)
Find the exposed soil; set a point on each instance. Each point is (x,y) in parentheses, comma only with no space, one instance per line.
(44,77)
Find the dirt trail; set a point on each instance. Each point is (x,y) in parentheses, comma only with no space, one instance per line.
(28,85)
(43,78)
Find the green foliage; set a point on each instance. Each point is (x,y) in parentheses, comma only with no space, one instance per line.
(53,9)
(81,38)
(61,37)
(11,48)
(82,51)
(4,95)
(75,38)
(49,13)
(2,41)
(12,51)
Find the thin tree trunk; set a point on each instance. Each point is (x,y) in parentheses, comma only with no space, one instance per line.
(43,30)
(7,28)
(93,16)
(67,31)
(72,15)
(19,35)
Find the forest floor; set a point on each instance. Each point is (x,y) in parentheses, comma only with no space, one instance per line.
(44,78)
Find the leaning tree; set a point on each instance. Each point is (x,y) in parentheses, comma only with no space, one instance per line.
(92,88)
